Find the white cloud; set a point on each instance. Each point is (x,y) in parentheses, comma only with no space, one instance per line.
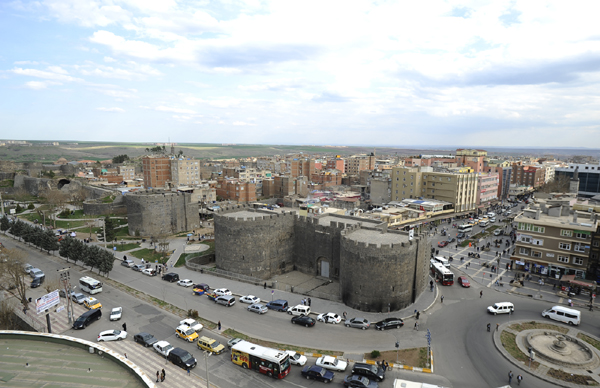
(45,74)
(113,109)
(87,13)
(26,63)
(57,69)
(38,85)
(109,60)
(241,123)
(163,108)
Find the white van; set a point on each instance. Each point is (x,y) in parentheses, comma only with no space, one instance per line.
(563,314)
(442,260)
(491,214)
(501,308)
(299,310)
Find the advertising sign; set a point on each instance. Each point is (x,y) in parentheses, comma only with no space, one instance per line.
(47,301)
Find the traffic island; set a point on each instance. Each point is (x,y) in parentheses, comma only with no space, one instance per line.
(553,353)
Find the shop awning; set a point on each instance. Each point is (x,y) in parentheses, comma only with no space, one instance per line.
(571,279)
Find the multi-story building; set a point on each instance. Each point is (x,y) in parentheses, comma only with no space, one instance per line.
(487,188)
(234,190)
(589,177)
(554,239)
(302,167)
(283,186)
(471,158)
(185,172)
(336,163)
(381,190)
(504,171)
(528,175)
(127,172)
(157,171)
(356,164)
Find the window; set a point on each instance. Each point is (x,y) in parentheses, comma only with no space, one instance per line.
(523,251)
(582,235)
(596,243)
(579,247)
(565,246)
(536,241)
(566,233)
(578,260)
(563,259)
(526,239)
(536,254)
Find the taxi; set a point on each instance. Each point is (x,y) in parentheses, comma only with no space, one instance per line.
(186,333)
(92,303)
(210,345)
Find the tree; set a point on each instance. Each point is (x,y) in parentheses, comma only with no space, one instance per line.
(93,256)
(560,184)
(79,196)
(12,275)
(56,200)
(109,229)
(120,159)
(17,229)
(162,245)
(48,241)
(107,260)
(4,224)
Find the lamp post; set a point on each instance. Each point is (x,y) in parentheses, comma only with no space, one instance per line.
(65,278)
(206,356)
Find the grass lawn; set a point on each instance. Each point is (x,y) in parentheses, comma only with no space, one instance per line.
(122,232)
(572,378)
(149,255)
(537,325)
(510,344)
(126,247)
(589,340)
(416,357)
(77,214)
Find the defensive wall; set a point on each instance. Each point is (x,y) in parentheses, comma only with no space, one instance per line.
(377,269)
(153,213)
(97,208)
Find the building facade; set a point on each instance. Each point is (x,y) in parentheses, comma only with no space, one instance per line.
(589,177)
(157,171)
(487,188)
(185,172)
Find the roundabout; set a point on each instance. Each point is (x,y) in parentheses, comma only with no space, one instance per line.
(561,355)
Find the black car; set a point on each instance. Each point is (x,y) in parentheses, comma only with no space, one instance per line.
(36,282)
(389,323)
(372,372)
(451,240)
(318,373)
(145,339)
(304,320)
(359,382)
(170,277)
(461,235)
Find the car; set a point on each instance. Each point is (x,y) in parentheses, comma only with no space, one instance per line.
(331,363)
(36,282)
(296,358)
(163,348)
(63,294)
(258,308)
(170,277)
(27,268)
(210,345)
(450,240)
(145,339)
(92,303)
(200,289)
(115,313)
(501,308)
(112,335)
(359,323)
(192,324)
(318,373)
(329,318)
(442,244)
(370,371)
(186,333)
(389,323)
(138,267)
(304,321)
(498,232)
(493,219)
(278,305)
(461,235)
(185,283)
(35,273)
(127,263)
(250,299)
(77,297)
(463,281)
(356,381)
(222,292)
(149,271)
(233,341)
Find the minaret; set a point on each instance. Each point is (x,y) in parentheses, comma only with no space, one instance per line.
(574,183)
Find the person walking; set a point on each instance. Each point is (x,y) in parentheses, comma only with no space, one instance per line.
(519,379)
(416,325)
(442,298)
(418,315)
(157,376)
(124,326)
(309,302)
(188,370)
(219,325)
(497,326)
(480,294)
(265,285)
(510,376)
(163,376)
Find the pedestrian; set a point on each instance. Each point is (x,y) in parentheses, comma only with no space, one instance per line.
(157,376)
(124,326)
(125,354)
(417,325)
(497,326)
(124,257)
(143,262)
(519,379)
(265,285)
(510,376)
(480,294)
(219,325)
(442,298)
(345,314)
(188,370)
(164,375)
(418,315)
(309,302)
(554,286)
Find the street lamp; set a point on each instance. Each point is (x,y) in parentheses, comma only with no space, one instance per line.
(206,356)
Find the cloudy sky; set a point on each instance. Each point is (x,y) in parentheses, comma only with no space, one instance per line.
(465,73)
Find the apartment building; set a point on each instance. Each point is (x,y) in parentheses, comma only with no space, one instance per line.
(185,172)
(157,171)
(127,172)
(283,186)
(234,190)
(302,167)
(356,164)
(504,171)
(471,158)
(336,163)
(528,175)
(553,239)
(487,188)
(381,191)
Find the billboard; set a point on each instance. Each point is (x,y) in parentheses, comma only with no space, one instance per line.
(47,301)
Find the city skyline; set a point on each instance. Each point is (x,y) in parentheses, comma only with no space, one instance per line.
(471,73)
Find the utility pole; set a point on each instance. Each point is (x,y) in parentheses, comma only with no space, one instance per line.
(2,202)
(206,356)
(65,278)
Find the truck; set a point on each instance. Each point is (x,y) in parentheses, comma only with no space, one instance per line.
(398,383)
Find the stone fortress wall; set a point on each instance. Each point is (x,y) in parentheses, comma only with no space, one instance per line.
(154,213)
(372,276)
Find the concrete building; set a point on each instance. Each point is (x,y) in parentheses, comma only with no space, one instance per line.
(589,177)
(235,190)
(356,164)
(487,188)
(185,172)
(471,158)
(529,175)
(336,163)
(381,191)
(127,172)
(157,171)
(302,167)
(553,238)
(504,178)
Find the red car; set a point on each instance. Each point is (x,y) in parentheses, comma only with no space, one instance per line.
(442,244)
(463,281)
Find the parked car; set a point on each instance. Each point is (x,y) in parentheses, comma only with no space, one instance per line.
(442,244)
(192,324)
(145,339)
(250,299)
(296,358)
(182,358)
(225,300)
(278,305)
(359,323)
(355,381)
(463,281)
(115,313)
(200,288)
(210,345)
(127,263)
(299,310)
(163,347)
(233,341)
(36,273)
(92,303)
(186,333)
(112,335)
(450,240)
(28,267)
(78,297)
(461,235)
(304,321)
(86,318)
(170,277)
(149,271)
(138,267)
(318,373)
(389,323)
(258,308)
(36,282)
(222,291)
(329,318)
(331,363)
(498,232)
(185,283)
(372,372)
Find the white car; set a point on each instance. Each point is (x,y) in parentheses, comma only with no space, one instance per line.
(331,318)
(296,358)
(149,271)
(251,299)
(189,322)
(115,314)
(222,292)
(112,335)
(163,347)
(332,363)
(185,283)
(28,267)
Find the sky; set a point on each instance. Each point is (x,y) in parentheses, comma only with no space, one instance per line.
(395,73)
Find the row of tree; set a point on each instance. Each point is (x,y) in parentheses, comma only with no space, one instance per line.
(32,235)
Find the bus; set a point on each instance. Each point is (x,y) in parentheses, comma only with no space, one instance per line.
(89,285)
(441,260)
(443,274)
(271,362)
(465,228)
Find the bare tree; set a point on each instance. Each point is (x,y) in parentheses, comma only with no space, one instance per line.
(79,196)
(12,274)
(56,200)
(20,194)
(560,184)
(8,320)
(162,244)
